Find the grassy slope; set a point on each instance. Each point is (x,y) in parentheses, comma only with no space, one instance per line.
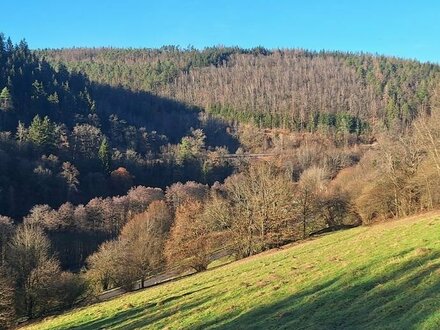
(386,276)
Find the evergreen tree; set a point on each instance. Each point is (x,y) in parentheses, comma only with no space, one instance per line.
(105,156)
(42,132)
(192,147)
(5,99)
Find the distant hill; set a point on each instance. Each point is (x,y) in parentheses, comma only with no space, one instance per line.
(292,88)
(384,276)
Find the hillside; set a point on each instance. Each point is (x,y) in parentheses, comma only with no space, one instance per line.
(125,162)
(384,276)
(65,141)
(289,88)
(50,116)
(189,165)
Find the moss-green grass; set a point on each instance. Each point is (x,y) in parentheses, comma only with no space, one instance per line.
(381,277)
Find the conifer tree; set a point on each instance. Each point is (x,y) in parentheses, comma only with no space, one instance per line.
(5,99)
(104,155)
(42,132)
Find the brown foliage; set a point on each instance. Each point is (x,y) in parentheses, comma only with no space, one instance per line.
(179,193)
(401,176)
(136,254)
(121,180)
(192,238)
(144,238)
(140,197)
(307,194)
(106,267)
(262,207)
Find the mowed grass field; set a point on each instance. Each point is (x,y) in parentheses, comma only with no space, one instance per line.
(382,277)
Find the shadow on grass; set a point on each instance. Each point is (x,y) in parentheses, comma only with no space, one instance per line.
(402,296)
(146,314)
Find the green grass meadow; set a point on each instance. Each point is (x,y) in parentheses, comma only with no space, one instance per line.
(385,276)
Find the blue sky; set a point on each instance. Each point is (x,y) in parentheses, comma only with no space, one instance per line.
(404,28)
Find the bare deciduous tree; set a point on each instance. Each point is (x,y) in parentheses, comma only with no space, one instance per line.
(144,237)
(7,311)
(192,239)
(262,208)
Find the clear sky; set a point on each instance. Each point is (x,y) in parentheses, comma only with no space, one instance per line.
(405,28)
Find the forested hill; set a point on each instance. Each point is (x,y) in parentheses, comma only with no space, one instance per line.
(119,160)
(64,138)
(295,89)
